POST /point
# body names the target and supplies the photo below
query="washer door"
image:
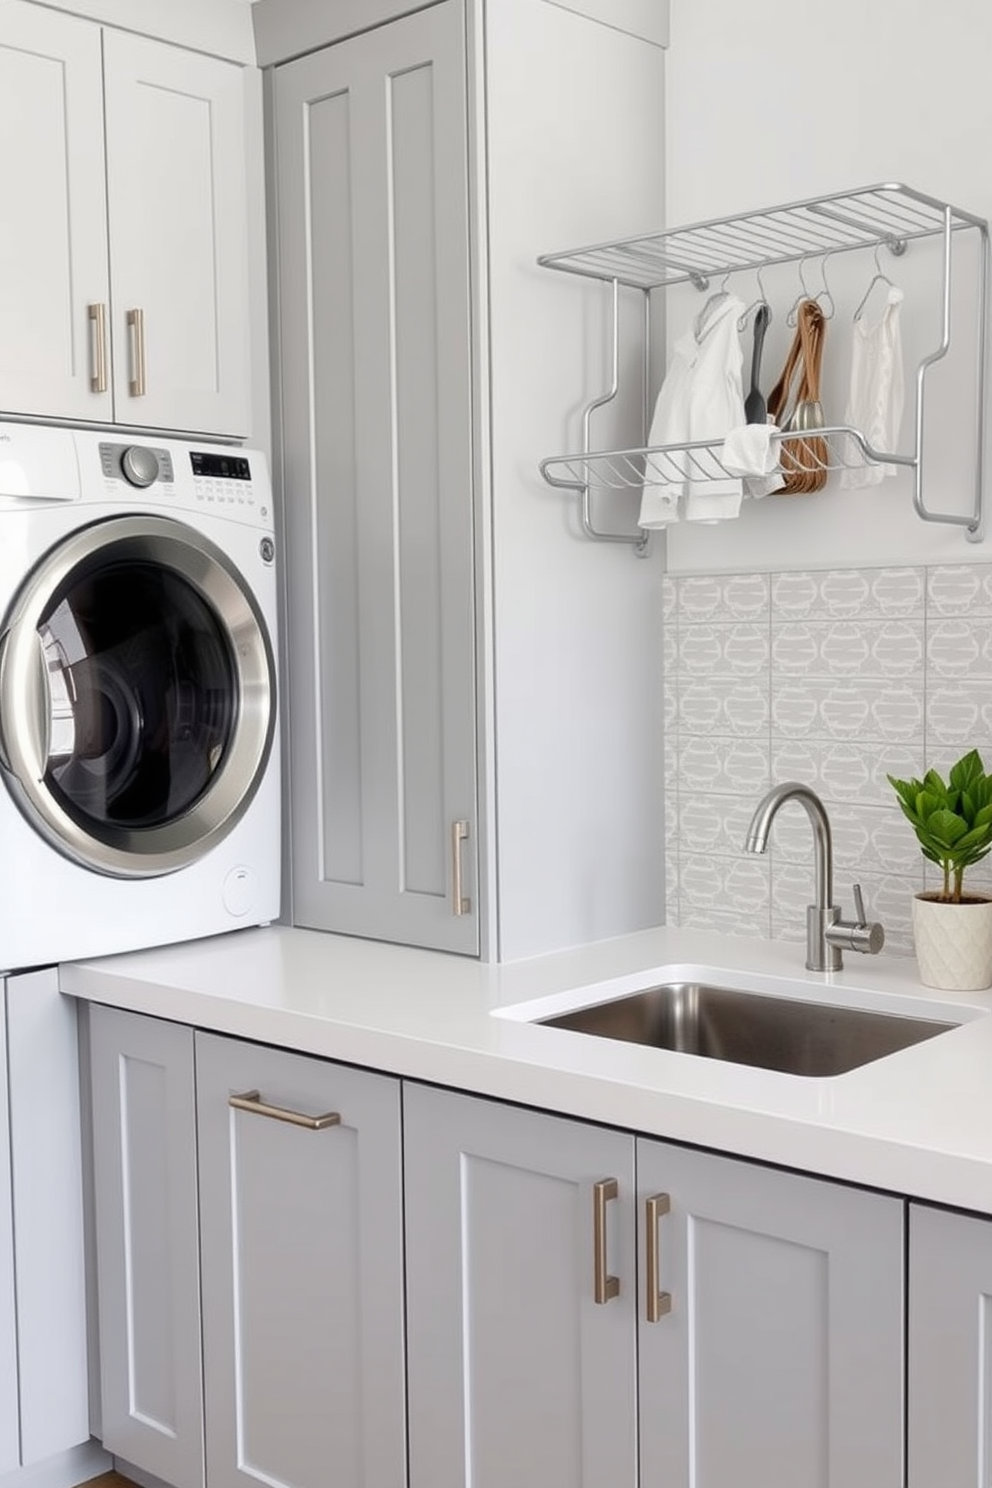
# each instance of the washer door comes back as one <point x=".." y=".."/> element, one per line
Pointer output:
<point x="137" y="696"/>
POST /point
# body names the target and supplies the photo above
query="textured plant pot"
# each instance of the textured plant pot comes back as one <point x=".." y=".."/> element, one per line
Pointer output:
<point x="954" y="943"/>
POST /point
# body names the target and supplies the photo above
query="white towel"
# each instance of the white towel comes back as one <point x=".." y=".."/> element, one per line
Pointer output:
<point x="752" y="452"/>
<point x="875" y="401"/>
<point x="700" y="399"/>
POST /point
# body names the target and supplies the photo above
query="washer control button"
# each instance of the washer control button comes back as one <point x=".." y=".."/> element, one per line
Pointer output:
<point x="139" y="466"/>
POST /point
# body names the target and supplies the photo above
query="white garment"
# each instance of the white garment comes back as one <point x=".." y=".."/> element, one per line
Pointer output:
<point x="700" y="399"/>
<point x="751" y="451"/>
<point x="875" y="401"/>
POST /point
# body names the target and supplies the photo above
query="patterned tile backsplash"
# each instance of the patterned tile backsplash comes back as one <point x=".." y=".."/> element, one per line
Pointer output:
<point x="835" y="679"/>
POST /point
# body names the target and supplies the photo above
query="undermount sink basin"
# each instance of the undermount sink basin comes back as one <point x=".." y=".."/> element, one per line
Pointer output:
<point x="794" y="1036"/>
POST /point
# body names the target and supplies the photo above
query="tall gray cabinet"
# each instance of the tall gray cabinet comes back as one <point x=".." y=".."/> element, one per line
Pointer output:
<point x="472" y="685"/>
<point x="371" y="142"/>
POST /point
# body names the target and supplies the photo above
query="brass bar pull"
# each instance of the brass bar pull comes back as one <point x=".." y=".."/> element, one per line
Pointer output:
<point x="136" y="323"/>
<point x="659" y="1302"/>
<point x="251" y="1101"/>
<point x="459" y="834"/>
<point x="604" y="1285"/>
<point x="98" y="315"/>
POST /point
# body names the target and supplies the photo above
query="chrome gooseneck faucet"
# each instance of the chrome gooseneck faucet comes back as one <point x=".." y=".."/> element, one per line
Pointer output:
<point x="826" y="933"/>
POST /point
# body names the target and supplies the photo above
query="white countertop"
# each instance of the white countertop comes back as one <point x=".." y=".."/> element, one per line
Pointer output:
<point x="918" y="1122"/>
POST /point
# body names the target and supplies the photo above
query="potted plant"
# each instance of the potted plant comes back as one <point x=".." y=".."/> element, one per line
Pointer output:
<point x="952" y="929"/>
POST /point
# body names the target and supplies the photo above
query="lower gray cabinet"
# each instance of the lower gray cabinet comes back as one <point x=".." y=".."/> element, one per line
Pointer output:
<point x="761" y="1346"/>
<point x="515" y="1222"/>
<point x="776" y="1356"/>
<point x="950" y="1349"/>
<point x="148" y="1273"/>
<point x="270" y="1184"/>
<point x="9" y="1444"/>
<point x="301" y="1236"/>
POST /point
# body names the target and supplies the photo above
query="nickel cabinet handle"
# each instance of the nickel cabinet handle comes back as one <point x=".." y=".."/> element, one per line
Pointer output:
<point x="605" y="1287"/>
<point x="136" y="323"/>
<point x="98" y="316"/>
<point x="459" y="834"/>
<point x="252" y="1102"/>
<point x="659" y="1302"/>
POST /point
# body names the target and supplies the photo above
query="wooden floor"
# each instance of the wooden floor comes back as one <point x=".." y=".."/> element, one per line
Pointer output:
<point x="108" y="1480"/>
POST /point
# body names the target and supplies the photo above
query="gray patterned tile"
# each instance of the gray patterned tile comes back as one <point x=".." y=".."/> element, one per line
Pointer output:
<point x="723" y="597"/>
<point x="846" y="770"/>
<point x="959" y="589"/>
<point x="714" y="824"/>
<point x="886" y="710"/>
<point x="740" y="708"/>
<point x="712" y="883"/>
<point x="958" y="715"/>
<point x="892" y="648"/>
<point x="855" y="593"/>
<point x="739" y="650"/>
<point x="724" y="763"/>
<point x="959" y="648"/>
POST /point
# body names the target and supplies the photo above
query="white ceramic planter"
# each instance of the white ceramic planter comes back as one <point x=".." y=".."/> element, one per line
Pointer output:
<point x="953" y="944"/>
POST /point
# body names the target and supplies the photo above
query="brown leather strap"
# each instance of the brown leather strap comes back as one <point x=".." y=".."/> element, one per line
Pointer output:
<point x="804" y="461"/>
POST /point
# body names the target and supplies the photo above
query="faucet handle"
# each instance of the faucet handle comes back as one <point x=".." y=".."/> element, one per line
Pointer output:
<point x="859" y="905"/>
<point x="861" y="934"/>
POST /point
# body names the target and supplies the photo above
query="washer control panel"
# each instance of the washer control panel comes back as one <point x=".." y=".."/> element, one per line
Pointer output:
<point x="222" y="479"/>
<point x="139" y="464"/>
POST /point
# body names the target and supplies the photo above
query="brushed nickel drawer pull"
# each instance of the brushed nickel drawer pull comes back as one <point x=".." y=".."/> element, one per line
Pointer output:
<point x="459" y="834"/>
<point x="252" y="1102"/>
<point x="98" y="315"/>
<point x="136" y="321"/>
<point x="659" y="1302"/>
<point x="605" y="1286"/>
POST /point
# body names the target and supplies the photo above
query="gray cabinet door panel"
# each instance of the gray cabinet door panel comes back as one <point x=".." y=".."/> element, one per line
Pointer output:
<point x="301" y="1243"/>
<point x="144" y="1172"/>
<point x="377" y="472"/>
<point x="9" y="1438"/>
<point x="950" y="1349"/>
<point x="516" y="1375"/>
<point x="780" y="1364"/>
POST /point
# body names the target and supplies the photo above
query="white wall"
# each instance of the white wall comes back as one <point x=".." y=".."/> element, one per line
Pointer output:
<point x="772" y="102"/>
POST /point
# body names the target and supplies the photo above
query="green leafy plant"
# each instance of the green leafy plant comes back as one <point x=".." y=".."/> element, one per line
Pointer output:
<point x="952" y="822"/>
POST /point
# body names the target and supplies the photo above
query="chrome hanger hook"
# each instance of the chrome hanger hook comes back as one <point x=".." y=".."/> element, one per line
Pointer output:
<point x="805" y="293"/>
<point x="824" y="295"/>
<point x="879" y="277"/>
<point x="756" y="304"/>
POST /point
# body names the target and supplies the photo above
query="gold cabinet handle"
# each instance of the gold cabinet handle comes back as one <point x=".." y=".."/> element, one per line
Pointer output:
<point x="659" y="1302"/>
<point x="251" y="1101"/>
<point x="136" y="324"/>
<point x="604" y="1286"/>
<point x="98" y="315"/>
<point x="459" y="834"/>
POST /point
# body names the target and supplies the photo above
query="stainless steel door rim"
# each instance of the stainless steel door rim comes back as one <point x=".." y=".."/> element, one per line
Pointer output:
<point x="36" y="718"/>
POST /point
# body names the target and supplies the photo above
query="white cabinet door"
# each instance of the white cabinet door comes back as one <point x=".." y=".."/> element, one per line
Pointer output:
<point x="302" y="1257"/>
<point x="47" y="1187"/>
<point x="144" y="1171"/>
<point x="176" y="179"/>
<point x="780" y="1363"/>
<point x="376" y="408"/>
<point x="950" y="1349"/>
<point x="9" y="1435"/>
<point x="53" y="226"/>
<point x="517" y="1375"/>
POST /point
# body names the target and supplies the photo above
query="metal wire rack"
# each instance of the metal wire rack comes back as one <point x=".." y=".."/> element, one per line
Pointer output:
<point x="889" y="214"/>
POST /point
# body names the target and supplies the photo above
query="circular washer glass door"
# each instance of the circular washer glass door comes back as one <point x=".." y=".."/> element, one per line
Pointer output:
<point x="137" y="696"/>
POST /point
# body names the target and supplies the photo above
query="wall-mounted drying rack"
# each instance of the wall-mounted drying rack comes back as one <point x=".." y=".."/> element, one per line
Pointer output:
<point x="890" y="215"/>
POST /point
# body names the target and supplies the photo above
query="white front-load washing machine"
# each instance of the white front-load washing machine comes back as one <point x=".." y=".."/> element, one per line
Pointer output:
<point x="139" y="752"/>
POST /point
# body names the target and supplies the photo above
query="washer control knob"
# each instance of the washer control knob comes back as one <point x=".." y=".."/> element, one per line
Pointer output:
<point x="139" y="466"/>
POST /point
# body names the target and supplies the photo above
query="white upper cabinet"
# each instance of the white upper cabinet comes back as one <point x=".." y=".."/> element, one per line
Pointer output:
<point x="53" y="228"/>
<point x="178" y="223"/>
<point x="123" y="252"/>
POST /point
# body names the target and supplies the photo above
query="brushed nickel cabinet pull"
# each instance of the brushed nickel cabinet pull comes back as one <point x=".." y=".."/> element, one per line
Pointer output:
<point x="252" y="1102"/>
<point x="136" y="323"/>
<point x="459" y="834"/>
<point x="659" y="1302"/>
<point x="604" y="1286"/>
<point x="98" y="315"/>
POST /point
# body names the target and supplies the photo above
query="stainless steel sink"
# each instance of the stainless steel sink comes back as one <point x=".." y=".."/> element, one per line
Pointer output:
<point x="775" y="1033"/>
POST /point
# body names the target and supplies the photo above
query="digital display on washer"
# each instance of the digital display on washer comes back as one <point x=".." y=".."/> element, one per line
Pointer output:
<point x="220" y="467"/>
